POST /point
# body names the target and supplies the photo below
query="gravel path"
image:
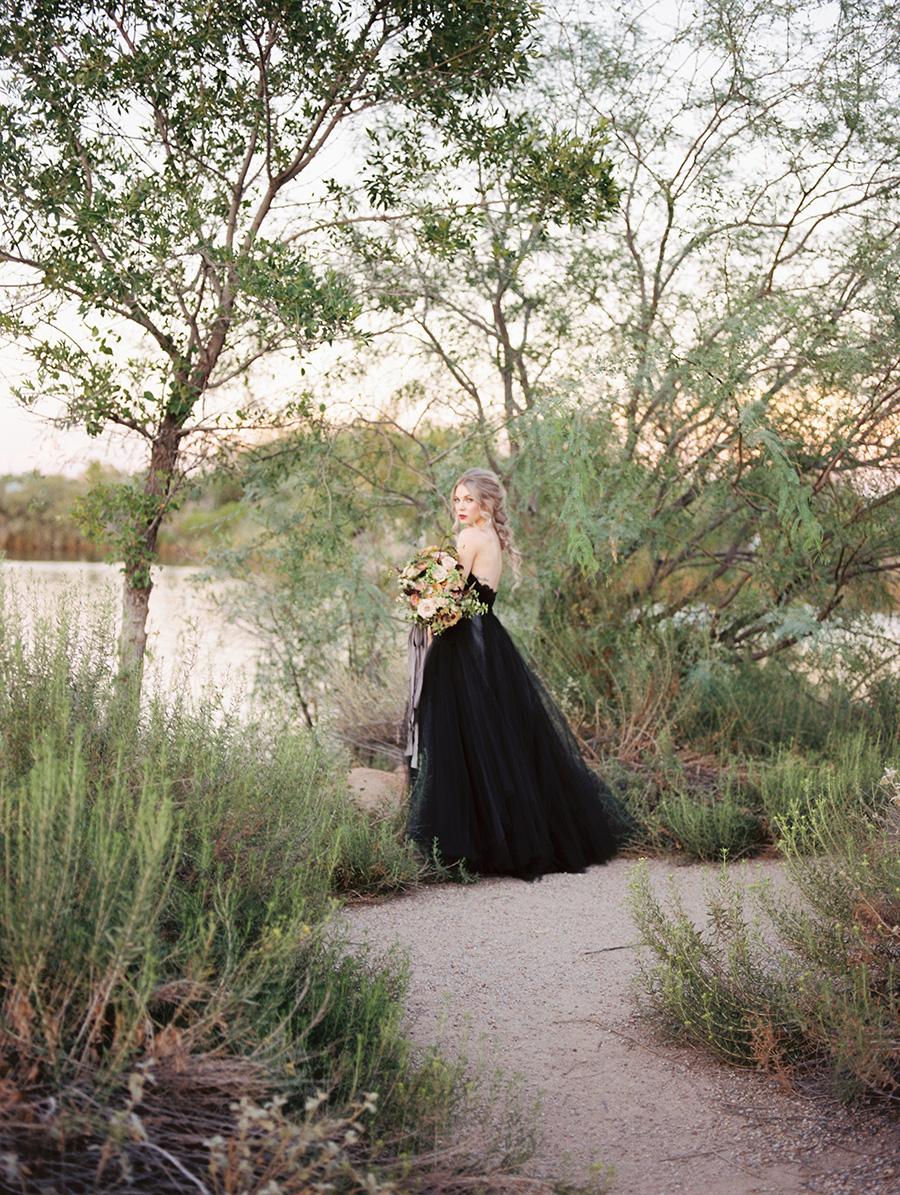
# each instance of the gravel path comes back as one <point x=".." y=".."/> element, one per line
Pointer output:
<point x="539" y="975"/>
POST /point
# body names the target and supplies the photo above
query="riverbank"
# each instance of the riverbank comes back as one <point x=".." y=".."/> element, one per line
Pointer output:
<point x="191" y="641"/>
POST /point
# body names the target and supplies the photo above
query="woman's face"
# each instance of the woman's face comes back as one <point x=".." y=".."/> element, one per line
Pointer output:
<point x="465" y="506"/>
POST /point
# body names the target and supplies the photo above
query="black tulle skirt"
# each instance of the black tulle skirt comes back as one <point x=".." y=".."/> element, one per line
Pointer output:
<point x="500" y="784"/>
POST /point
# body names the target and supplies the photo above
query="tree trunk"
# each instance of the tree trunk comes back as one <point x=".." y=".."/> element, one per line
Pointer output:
<point x="144" y="533"/>
<point x="133" y="635"/>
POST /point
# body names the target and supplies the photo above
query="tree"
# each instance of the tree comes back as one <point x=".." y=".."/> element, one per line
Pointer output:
<point x="309" y="568"/>
<point x="747" y="312"/>
<point x="153" y="160"/>
<point x="707" y="385"/>
<point x="493" y="309"/>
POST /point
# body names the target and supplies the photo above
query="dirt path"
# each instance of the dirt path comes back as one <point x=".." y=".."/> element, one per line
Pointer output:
<point x="540" y="975"/>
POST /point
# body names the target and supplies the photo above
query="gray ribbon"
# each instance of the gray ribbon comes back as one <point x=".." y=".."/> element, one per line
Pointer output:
<point x="416" y="652"/>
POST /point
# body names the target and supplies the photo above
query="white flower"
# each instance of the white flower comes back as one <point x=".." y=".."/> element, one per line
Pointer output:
<point x="427" y="608"/>
<point x="439" y="573"/>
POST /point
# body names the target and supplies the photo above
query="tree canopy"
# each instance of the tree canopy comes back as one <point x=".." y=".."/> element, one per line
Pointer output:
<point x="155" y="200"/>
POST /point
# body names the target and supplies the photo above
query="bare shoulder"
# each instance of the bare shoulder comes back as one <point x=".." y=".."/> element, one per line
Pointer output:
<point x="470" y="536"/>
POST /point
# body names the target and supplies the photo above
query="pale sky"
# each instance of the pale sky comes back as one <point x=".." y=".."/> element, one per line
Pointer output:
<point x="29" y="442"/>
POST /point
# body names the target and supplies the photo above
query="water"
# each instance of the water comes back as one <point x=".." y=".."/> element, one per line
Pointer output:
<point x="189" y="635"/>
<point x="190" y="640"/>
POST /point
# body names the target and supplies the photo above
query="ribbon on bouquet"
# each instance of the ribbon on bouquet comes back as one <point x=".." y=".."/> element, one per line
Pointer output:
<point x="416" y="651"/>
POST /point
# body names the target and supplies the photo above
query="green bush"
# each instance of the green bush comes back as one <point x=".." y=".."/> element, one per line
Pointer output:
<point x="171" y="974"/>
<point x="751" y="707"/>
<point x="703" y="804"/>
<point x="707" y="826"/>
<point x="812" y="981"/>
<point x="713" y="986"/>
<point x="262" y="799"/>
<point x="627" y="688"/>
<point x="847" y="773"/>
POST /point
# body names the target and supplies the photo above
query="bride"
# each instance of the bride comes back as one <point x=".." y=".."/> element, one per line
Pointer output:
<point x="499" y="783"/>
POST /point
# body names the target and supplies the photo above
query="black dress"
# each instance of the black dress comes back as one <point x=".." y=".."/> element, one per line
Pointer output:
<point x="500" y="783"/>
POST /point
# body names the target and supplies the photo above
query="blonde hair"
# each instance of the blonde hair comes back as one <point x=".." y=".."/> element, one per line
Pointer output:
<point x="491" y="496"/>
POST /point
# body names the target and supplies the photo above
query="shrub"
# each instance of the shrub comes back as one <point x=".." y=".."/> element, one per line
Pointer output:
<point x="816" y="984"/>
<point x="716" y="986"/>
<point x="629" y="689"/>
<point x="366" y="714"/>
<point x="707" y="826"/>
<point x="177" y="1001"/>
<point x="847" y="774"/>
<point x="752" y="707"/>
<point x="703" y="804"/>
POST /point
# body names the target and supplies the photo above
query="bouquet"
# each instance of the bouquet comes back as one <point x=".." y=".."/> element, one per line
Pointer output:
<point x="433" y="592"/>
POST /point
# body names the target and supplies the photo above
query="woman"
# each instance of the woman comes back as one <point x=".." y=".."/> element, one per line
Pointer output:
<point x="500" y="783"/>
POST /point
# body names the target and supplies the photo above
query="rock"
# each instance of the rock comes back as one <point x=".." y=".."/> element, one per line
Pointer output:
<point x="376" y="791"/>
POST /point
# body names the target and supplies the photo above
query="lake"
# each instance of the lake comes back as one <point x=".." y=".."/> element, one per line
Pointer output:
<point x="188" y="633"/>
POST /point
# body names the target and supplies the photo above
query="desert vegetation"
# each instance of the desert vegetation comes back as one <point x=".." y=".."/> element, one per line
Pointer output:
<point x="646" y="272"/>
<point x="806" y="983"/>
<point x="178" y="1004"/>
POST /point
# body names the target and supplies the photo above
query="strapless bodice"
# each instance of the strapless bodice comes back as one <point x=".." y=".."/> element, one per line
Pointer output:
<point x="484" y="591"/>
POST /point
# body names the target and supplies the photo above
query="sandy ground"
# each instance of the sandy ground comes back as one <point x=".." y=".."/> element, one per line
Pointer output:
<point x="538" y="978"/>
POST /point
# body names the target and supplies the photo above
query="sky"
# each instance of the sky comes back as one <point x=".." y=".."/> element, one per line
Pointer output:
<point x="29" y="442"/>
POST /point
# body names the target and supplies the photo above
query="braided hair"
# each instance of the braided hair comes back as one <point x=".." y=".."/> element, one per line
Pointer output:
<point x="491" y="496"/>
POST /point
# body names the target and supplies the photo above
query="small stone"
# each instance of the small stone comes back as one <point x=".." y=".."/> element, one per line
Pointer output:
<point x="375" y="791"/>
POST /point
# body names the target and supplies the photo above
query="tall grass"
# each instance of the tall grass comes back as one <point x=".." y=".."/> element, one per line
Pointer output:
<point x="706" y="826"/>
<point x="178" y="1007"/>
<point x="846" y="775"/>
